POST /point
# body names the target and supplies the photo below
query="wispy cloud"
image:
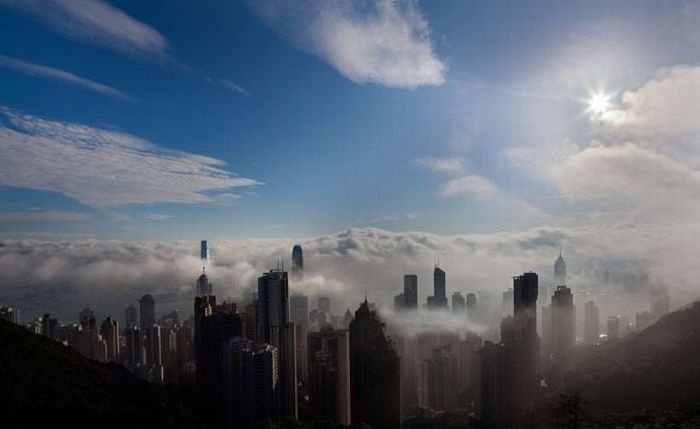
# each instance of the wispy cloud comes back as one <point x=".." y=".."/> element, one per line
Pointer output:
<point x="383" y="42"/>
<point x="158" y="217"/>
<point x="227" y="84"/>
<point x="471" y="184"/>
<point x="97" y="23"/>
<point x="42" y="216"/>
<point x="62" y="75"/>
<point x="105" y="168"/>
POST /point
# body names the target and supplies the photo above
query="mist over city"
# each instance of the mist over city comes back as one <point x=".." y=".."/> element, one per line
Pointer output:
<point x="349" y="214"/>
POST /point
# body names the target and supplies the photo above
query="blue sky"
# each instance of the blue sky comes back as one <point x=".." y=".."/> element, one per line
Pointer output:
<point x="213" y="119"/>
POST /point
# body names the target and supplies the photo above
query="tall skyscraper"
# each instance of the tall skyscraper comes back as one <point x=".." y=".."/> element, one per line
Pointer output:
<point x="439" y="298"/>
<point x="329" y="375"/>
<point x="563" y="325"/>
<point x="591" y="323"/>
<point x="110" y="334"/>
<point x="133" y="346"/>
<point x="204" y="252"/>
<point x="297" y="263"/>
<point x="410" y="291"/>
<point x="459" y="305"/>
<point x="472" y="307"/>
<point x="526" y="345"/>
<point x="374" y="372"/>
<point x="147" y="312"/>
<point x="559" y="271"/>
<point x="87" y="318"/>
<point x="131" y="317"/>
<point x="324" y="304"/>
<point x="299" y="315"/>
<point x="507" y="303"/>
<point x="275" y="328"/>
<point x="204" y="288"/>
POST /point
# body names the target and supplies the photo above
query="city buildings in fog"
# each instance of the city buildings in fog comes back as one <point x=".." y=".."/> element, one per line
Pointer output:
<point x="297" y="263"/>
<point x="329" y="375"/>
<point x="591" y="323"/>
<point x="439" y="298"/>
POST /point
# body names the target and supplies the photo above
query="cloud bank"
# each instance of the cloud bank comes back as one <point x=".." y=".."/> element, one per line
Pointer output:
<point x="616" y="264"/>
<point x="104" y="168"/>
<point x="382" y="42"/>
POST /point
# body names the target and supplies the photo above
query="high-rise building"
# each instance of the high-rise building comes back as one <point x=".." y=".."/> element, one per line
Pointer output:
<point x="439" y="298"/>
<point x="299" y="315"/>
<point x="147" y="312"/>
<point x="275" y="328"/>
<point x="374" y="372"/>
<point x="410" y="291"/>
<point x="526" y="345"/>
<point x="591" y="323"/>
<point x="10" y="314"/>
<point x="204" y="288"/>
<point x="297" y="263"/>
<point x="614" y="327"/>
<point x="204" y="252"/>
<point x="153" y="343"/>
<point x="48" y="326"/>
<point x="324" y="304"/>
<point x="109" y="330"/>
<point x="563" y="325"/>
<point x="472" y="307"/>
<point x="459" y="304"/>
<point x="87" y="318"/>
<point x="399" y="302"/>
<point x="133" y="346"/>
<point x="329" y="375"/>
<point x="131" y="317"/>
<point x="507" y="303"/>
<point x="559" y="271"/>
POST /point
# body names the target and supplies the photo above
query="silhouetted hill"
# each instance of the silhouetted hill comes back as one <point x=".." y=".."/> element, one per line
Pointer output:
<point x="45" y="384"/>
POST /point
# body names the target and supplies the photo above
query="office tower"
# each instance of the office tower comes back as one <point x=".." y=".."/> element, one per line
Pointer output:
<point x="109" y="330"/>
<point x="546" y="342"/>
<point x="266" y="381"/>
<point x="250" y="321"/>
<point x="153" y="343"/>
<point x="324" y="304"/>
<point x="563" y="325"/>
<point x="147" y="312"/>
<point x="329" y="375"/>
<point x="445" y="378"/>
<point x="410" y="291"/>
<point x="133" y="346"/>
<point x="374" y="372"/>
<point x="399" y="302"/>
<point x="10" y="314"/>
<point x="87" y="318"/>
<point x="170" y="319"/>
<point x="459" y="305"/>
<point x="439" y="298"/>
<point x="297" y="263"/>
<point x="347" y="319"/>
<point x="507" y="303"/>
<point x="614" y="327"/>
<point x="559" y="271"/>
<point x="525" y="345"/>
<point x="238" y="394"/>
<point x="468" y="370"/>
<point x="591" y="323"/>
<point x="472" y="308"/>
<point x="204" y="252"/>
<point x="299" y="315"/>
<point x="204" y="288"/>
<point x="275" y="328"/>
<point x="486" y="302"/>
<point x="426" y="387"/>
<point x="48" y="326"/>
<point x="660" y="301"/>
<point x="131" y="317"/>
<point x="493" y="401"/>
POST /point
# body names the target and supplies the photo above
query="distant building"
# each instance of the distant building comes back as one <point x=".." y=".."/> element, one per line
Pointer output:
<point x="472" y="308"/>
<point x="459" y="304"/>
<point x="329" y="375"/>
<point x="324" y="304"/>
<point x="591" y="323"/>
<point x="559" y="271"/>
<point x="204" y="252"/>
<point x="563" y="325"/>
<point x="410" y="291"/>
<point x="439" y="297"/>
<point x="507" y="303"/>
<point x="10" y="314"/>
<point x="299" y="316"/>
<point x="147" y="312"/>
<point x="374" y="372"/>
<point x="87" y="318"/>
<point x="297" y="263"/>
<point x="131" y="317"/>
<point x="48" y="326"/>
<point x="204" y="288"/>
<point x="526" y="347"/>
<point x="109" y="330"/>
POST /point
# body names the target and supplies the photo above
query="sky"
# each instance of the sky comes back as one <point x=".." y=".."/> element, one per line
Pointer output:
<point x="257" y="124"/>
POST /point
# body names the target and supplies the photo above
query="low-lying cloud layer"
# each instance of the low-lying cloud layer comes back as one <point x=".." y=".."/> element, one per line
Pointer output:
<point x="624" y="260"/>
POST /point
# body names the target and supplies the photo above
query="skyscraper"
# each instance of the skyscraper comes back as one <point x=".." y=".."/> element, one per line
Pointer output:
<point x="275" y="328"/>
<point x="204" y="252"/>
<point x="324" y="304"/>
<point x="374" y="372"/>
<point x="472" y="307"/>
<point x="204" y="288"/>
<point x="507" y="303"/>
<point x="147" y="312"/>
<point x="559" y="271"/>
<point x="110" y="334"/>
<point x="299" y="315"/>
<point x="131" y="317"/>
<point x="526" y="346"/>
<point x="563" y="325"/>
<point x="297" y="263"/>
<point x="439" y="288"/>
<point x="591" y="323"/>
<point x="410" y="291"/>
<point x="329" y="375"/>
<point x="459" y="305"/>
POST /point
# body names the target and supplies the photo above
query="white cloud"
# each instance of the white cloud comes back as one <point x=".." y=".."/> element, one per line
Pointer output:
<point x="43" y="216"/>
<point x="96" y="22"/>
<point x="472" y="185"/>
<point x="62" y="75"/>
<point x="158" y="217"/>
<point x="105" y="168"/>
<point x="667" y="105"/>
<point x="383" y="42"/>
<point x="444" y="165"/>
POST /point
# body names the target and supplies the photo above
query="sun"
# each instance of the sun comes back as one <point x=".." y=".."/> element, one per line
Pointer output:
<point x="599" y="104"/>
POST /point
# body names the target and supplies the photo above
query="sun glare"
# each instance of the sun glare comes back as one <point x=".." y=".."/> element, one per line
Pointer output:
<point x="599" y="103"/>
